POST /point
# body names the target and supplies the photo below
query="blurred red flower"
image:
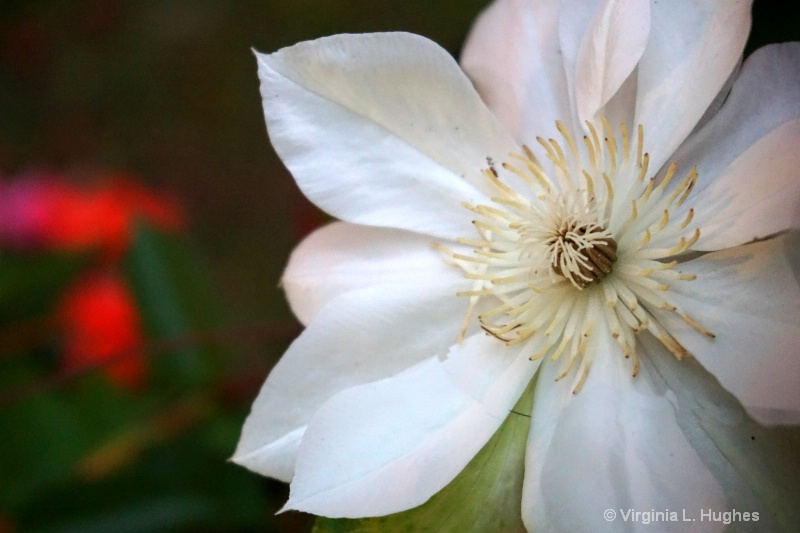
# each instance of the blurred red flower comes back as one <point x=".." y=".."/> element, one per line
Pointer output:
<point x="45" y="211"/>
<point x="99" y="322"/>
<point x="97" y="315"/>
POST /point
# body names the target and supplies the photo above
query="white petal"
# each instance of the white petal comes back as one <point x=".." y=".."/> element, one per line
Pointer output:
<point x="757" y="196"/>
<point x="615" y="445"/>
<point x="360" y="336"/>
<point x="692" y="50"/>
<point x="512" y="56"/>
<point x="765" y="95"/>
<point x="388" y="446"/>
<point x="621" y="107"/>
<point x="381" y="129"/>
<point x="602" y="56"/>
<point x="756" y="466"/>
<point x="485" y="369"/>
<point x="749" y="297"/>
<point x="720" y="99"/>
<point x="341" y="257"/>
<point x="747" y="156"/>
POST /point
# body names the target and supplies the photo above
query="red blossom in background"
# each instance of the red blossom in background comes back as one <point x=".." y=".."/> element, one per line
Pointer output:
<point x="105" y="217"/>
<point x="97" y="315"/>
<point x="45" y="211"/>
<point x="99" y="321"/>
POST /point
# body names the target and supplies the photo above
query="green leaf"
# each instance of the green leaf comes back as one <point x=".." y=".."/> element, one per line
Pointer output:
<point x="758" y="467"/>
<point x="175" y="302"/>
<point x="485" y="497"/>
<point x="41" y="442"/>
<point x="46" y="435"/>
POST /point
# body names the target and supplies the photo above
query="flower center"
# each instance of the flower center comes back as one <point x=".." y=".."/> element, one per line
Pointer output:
<point x="585" y="248"/>
<point x="582" y="253"/>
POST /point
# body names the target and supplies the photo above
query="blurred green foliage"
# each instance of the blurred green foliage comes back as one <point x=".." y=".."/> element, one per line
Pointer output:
<point x="81" y="454"/>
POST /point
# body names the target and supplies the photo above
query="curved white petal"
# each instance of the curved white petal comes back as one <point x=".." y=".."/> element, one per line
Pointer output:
<point x="720" y="99"/>
<point x="341" y="257"/>
<point x="360" y="336"/>
<point x="388" y="446"/>
<point x="621" y="108"/>
<point x="749" y="298"/>
<point x="747" y="155"/>
<point x="381" y="129"/>
<point x="757" y="196"/>
<point x="756" y="466"/>
<point x="693" y="48"/>
<point x="600" y="57"/>
<point x="615" y="445"/>
<point x="512" y="56"/>
<point x="765" y="95"/>
<point x="483" y="368"/>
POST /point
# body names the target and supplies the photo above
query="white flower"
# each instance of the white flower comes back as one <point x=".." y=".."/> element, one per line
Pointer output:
<point x="564" y="242"/>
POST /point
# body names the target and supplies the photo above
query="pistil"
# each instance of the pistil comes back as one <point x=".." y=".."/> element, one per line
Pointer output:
<point x="583" y="254"/>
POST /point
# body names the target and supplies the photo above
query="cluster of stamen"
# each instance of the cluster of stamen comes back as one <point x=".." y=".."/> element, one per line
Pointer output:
<point x="593" y="248"/>
<point x="582" y="253"/>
